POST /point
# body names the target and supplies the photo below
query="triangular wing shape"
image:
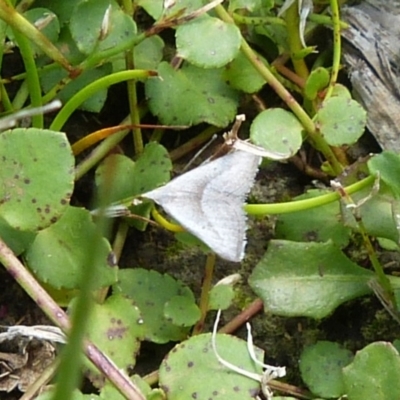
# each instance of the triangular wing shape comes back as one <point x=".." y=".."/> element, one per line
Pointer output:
<point x="208" y="201"/>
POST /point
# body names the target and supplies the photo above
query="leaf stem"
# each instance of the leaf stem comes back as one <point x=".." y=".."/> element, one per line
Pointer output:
<point x="205" y="292"/>
<point x="75" y="101"/>
<point x="32" y="76"/>
<point x="301" y="205"/>
<point x="337" y="48"/>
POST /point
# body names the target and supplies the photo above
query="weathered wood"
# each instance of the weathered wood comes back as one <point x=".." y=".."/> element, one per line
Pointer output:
<point x="372" y="56"/>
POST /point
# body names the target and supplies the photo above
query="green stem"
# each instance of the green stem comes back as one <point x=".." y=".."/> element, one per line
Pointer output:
<point x="134" y="107"/>
<point x="205" y="292"/>
<point x="301" y="205"/>
<point x="293" y="22"/>
<point x="337" y="49"/>
<point x="244" y="20"/>
<point x="75" y="101"/>
<point x="32" y="76"/>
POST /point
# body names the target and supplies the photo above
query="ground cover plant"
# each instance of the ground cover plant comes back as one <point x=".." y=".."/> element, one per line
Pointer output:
<point x="76" y="204"/>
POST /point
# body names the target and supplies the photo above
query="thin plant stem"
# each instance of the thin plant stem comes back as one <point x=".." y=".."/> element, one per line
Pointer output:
<point x="301" y="205"/>
<point x="337" y="48"/>
<point x="75" y="101"/>
<point x="32" y="76"/>
<point x="382" y="278"/>
<point x="132" y="93"/>
<point x="205" y="292"/>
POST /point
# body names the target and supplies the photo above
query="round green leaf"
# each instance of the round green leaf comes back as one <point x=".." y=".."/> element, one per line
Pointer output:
<point x="277" y="130"/>
<point x="141" y="285"/>
<point x="221" y="297"/>
<point x="307" y="279"/>
<point x="169" y="94"/>
<point x="181" y="312"/>
<point x="116" y="328"/>
<point x="85" y="32"/>
<point x="192" y="371"/>
<point x="208" y="42"/>
<point x="341" y="121"/>
<point x="341" y="91"/>
<point x="99" y="32"/>
<point x="59" y="254"/>
<point x="37" y="175"/>
<point x="374" y="373"/>
<point x="321" y="368"/>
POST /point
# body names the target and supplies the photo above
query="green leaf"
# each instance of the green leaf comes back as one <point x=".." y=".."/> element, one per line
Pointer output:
<point x="59" y="255"/>
<point x="321" y="368"/>
<point x="341" y="121"/>
<point x="191" y="370"/>
<point x="277" y="130"/>
<point x="387" y="164"/>
<point x="149" y="53"/>
<point x="141" y="286"/>
<point x="341" y="91"/>
<point x="317" y="80"/>
<point x="317" y="224"/>
<point x="241" y="74"/>
<point x="181" y="312"/>
<point x="152" y="169"/>
<point x="16" y="239"/>
<point x="307" y="279"/>
<point x="374" y="373"/>
<point x="208" y="42"/>
<point x="37" y="175"/>
<point x="211" y="99"/>
<point x="63" y="9"/>
<point x="221" y="297"/>
<point x="89" y="33"/>
<point x="122" y="169"/>
<point x="376" y="215"/>
<point x="116" y="328"/>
